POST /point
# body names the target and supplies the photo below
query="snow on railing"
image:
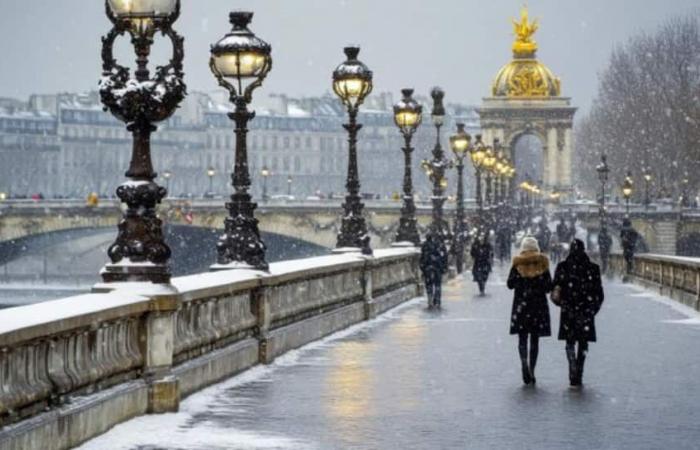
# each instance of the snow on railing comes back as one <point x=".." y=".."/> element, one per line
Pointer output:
<point x="173" y="344"/>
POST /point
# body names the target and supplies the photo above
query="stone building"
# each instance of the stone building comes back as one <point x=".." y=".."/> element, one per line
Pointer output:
<point x="66" y="146"/>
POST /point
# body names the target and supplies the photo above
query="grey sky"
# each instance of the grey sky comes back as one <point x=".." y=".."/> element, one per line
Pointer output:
<point x="52" y="46"/>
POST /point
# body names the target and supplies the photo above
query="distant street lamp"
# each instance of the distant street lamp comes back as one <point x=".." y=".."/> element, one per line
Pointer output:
<point x="265" y="173"/>
<point x="685" y="199"/>
<point x="647" y="182"/>
<point x="240" y="61"/>
<point x="603" y="171"/>
<point x="289" y="186"/>
<point x="408" y="115"/>
<point x="140" y="252"/>
<point x="437" y="167"/>
<point x="627" y="190"/>
<point x="211" y="173"/>
<point x="477" y="154"/>
<point x="489" y="163"/>
<point x="167" y="175"/>
<point x="460" y="144"/>
<point x="352" y="82"/>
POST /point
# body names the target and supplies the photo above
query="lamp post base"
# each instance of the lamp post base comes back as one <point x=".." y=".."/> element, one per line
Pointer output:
<point x="128" y="271"/>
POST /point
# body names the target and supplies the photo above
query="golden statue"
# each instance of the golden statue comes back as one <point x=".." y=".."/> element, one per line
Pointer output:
<point x="524" y="45"/>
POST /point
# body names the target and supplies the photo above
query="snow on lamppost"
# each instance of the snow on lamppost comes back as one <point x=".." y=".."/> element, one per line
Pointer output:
<point x="240" y="61"/>
<point x="603" y="171"/>
<point x="408" y="115"/>
<point x="436" y="168"/>
<point x="140" y="252"/>
<point x="460" y="144"/>
<point x="352" y="82"/>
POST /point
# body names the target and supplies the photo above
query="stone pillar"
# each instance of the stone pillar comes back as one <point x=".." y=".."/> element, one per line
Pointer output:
<point x="552" y="164"/>
<point x="158" y="341"/>
<point x="567" y="149"/>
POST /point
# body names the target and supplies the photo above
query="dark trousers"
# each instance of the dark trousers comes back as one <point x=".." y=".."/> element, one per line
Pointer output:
<point x="576" y="359"/>
<point x="433" y="288"/>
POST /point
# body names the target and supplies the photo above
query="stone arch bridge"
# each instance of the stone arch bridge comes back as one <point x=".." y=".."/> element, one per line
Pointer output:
<point x="319" y="222"/>
<point x="314" y="222"/>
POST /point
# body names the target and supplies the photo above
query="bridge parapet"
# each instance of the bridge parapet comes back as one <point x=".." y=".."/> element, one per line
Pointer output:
<point x="673" y="276"/>
<point x="72" y="368"/>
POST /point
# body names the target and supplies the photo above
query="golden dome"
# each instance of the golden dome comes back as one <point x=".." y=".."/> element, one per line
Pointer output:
<point x="524" y="76"/>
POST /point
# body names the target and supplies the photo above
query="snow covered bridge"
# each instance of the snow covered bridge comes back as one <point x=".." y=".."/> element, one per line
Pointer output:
<point x="411" y="378"/>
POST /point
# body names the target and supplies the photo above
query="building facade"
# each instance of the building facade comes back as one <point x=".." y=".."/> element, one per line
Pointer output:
<point x="66" y="146"/>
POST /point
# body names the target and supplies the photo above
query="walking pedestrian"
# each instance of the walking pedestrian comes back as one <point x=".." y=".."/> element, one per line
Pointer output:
<point x="433" y="265"/>
<point x="604" y="245"/>
<point x="531" y="280"/>
<point x="482" y="256"/>
<point x="578" y="291"/>
<point x="628" y="238"/>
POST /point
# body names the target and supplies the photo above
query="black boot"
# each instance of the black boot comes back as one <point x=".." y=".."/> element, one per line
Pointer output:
<point x="527" y="378"/>
<point x="579" y="368"/>
<point x="573" y="366"/>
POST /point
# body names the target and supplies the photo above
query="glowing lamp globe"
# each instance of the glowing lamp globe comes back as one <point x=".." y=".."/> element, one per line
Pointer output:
<point x="240" y="55"/>
<point x="408" y="114"/>
<point x="352" y="80"/>
<point x="460" y="142"/>
<point x="131" y="9"/>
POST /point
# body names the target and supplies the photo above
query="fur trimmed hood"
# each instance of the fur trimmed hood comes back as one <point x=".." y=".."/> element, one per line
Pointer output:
<point x="531" y="264"/>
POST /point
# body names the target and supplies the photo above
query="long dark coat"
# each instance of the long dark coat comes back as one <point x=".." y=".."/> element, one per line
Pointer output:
<point x="530" y="279"/>
<point x="581" y="297"/>
<point x="433" y="259"/>
<point x="482" y="255"/>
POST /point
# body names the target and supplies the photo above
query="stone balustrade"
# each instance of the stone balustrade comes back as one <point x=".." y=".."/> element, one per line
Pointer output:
<point x="673" y="276"/>
<point x="72" y="368"/>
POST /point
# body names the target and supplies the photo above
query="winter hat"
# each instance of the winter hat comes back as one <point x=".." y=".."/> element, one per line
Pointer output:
<point x="529" y="244"/>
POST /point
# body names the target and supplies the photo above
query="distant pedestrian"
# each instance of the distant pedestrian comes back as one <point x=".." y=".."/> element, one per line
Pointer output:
<point x="628" y="239"/>
<point x="578" y="291"/>
<point x="433" y="265"/>
<point x="544" y="235"/>
<point x="482" y="257"/>
<point x="604" y="246"/>
<point x="531" y="280"/>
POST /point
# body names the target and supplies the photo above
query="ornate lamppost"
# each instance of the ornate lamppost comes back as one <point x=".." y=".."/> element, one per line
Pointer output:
<point x="477" y="154"/>
<point x="627" y="189"/>
<point x="437" y="167"/>
<point x="408" y="115"/>
<point x="460" y="144"/>
<point x="489" y="163"/>
<point x="240" y="61"/>
<point x="211" y="172"/>
<point x="140" y="252"/>
<point x="352" y="83"/>
<point x="603" y="171"/>
<point x="604" y="239"/>
<point x="265" y="174"/>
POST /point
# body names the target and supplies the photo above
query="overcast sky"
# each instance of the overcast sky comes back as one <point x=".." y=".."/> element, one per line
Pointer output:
<point x="51" y="46"/>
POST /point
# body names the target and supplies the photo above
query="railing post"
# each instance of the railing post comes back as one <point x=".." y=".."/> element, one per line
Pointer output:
<point x="260" y="304"/>
<point x="366" y="280"/>
<point x="697" y="289"/>
<point x="159" y="343"/>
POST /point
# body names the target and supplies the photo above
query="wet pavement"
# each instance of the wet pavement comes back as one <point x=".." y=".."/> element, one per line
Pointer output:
<point x="417" y="379"/>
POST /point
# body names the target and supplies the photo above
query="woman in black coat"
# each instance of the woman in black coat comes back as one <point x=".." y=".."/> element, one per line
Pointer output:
<point x="579" y="293"/>
<point x="530" y="279"/>
<point x="482" y="255"/>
